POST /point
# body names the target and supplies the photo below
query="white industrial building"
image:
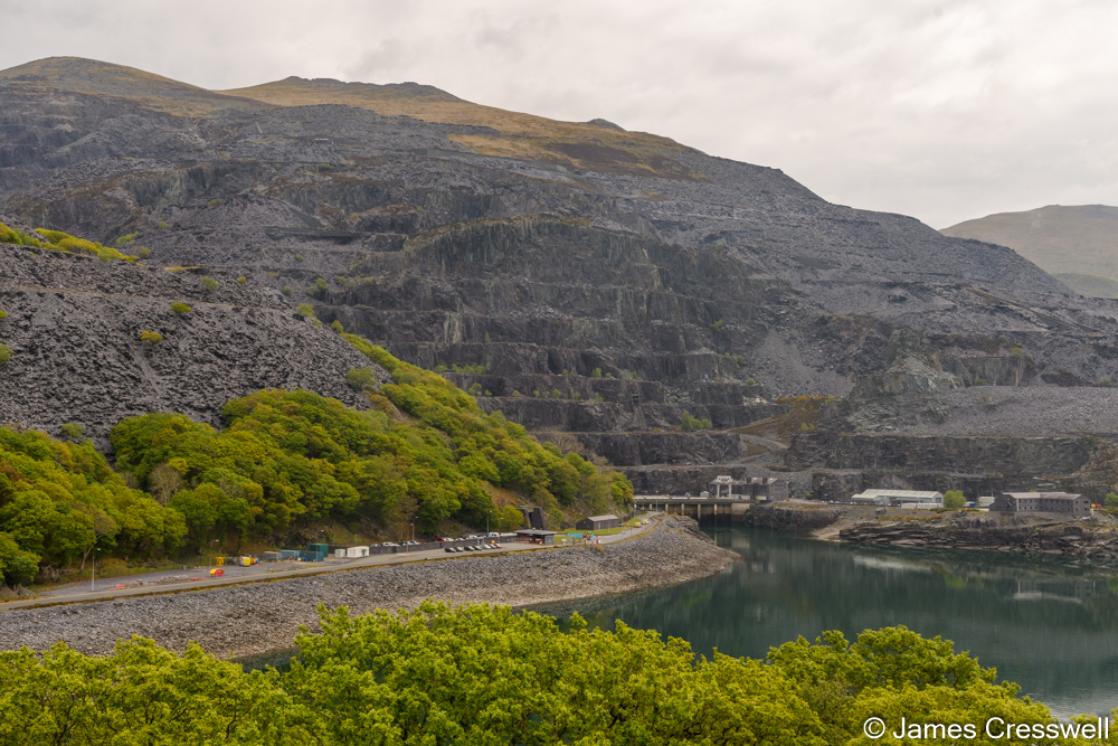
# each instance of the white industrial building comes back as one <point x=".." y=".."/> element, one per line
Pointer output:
<point x="352" y="552"/>
<point x="899" y="498"/>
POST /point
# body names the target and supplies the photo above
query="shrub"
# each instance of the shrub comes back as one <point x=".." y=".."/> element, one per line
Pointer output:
<point x="318" y="288"/>
<point x="954" y="500"/>
<point x="61" y="241"/>
<point x="150" y="336"/>
<point x="181" y="308"/>
<point x="18" y="237"/>
<point x="306" y="311"/>
<point x="690" y="423"/>
<point x="337" y="326"/>
<point x="5" y="353"/>
<point x="3" y="314"/>
<point x="143" y="252"/>
<point x="718" y="325"/>
<point x="72" y="431"/>
<point x="208" y="284"/>
<point x="361" y="379"/>
<point x="476" y="369"/>
<point x="123" y="242"/>
<point x="242" y="280"/>
<point x="1110" y="501"/>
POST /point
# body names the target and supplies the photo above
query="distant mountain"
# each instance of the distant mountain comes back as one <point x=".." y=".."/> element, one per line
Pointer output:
<point x="1078" y="244"/>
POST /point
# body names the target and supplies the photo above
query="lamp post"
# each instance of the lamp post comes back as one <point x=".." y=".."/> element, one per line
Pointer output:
<point x="93" y="570"/>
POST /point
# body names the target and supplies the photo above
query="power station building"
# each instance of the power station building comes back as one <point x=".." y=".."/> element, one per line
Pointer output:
<point x="1067" y="503"/>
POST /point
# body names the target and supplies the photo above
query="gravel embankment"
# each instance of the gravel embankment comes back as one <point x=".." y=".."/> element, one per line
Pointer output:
<point x="255" y="619"/>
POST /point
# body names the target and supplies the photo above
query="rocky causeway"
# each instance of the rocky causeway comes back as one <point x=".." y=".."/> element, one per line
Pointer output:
<point x="255" y="619"/>
<point x="1090" y="542"/>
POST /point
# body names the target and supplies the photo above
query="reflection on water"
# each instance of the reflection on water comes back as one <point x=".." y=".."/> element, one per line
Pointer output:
<point x="1052" y="629"/>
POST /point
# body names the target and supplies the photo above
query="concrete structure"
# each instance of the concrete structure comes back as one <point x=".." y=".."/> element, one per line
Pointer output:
<point x="755" y="489"/>
<point x="699" y="507"/>
<point x="356" y="552"/>
<point x="899" y="498"/>
<point x="533" y="516"/>
<point x="1066" y="503"/>
<point x="599" y="522"/>
<point x="536" y="535"/>
<point x="984" y="501"/>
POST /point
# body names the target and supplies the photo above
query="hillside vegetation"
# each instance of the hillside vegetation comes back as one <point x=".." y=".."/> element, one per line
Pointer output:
<point x="284" y="461"/>
<point x="59" y="500"/>
<point x="45" y="238"/>
<point x="488" y="675"/>
<point x="499" y="132"/>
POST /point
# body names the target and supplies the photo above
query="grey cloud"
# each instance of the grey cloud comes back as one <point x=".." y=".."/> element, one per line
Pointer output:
<point x="943" y="109"/>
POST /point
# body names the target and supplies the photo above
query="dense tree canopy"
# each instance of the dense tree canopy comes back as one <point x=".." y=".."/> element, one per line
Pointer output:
<point x="495" y="449"/>
<point x="60" y="500"/>
<point x="489" y="675"/>
<point x="284" y="461"/>
<point x="286" y="458"/>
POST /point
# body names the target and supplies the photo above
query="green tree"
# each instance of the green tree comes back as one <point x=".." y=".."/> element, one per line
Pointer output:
<point x="954" y="500"/>
<point x="58" y="499"/>
<point x="491" y="675"/>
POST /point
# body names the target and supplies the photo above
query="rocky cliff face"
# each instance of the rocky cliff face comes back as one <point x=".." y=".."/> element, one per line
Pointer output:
<point x="74" y="326"/>
<point x="600" y="286"/>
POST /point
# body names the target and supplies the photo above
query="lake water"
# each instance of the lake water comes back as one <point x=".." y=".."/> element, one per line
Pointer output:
<point x="1051" y="628"/>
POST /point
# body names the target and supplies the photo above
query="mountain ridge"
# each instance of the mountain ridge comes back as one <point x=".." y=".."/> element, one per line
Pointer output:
<point x="1066" y="240"/>
<point x="602" y="287"/>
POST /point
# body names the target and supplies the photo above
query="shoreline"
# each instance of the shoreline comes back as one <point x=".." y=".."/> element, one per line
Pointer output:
<point x="1081" y="543"/>
<point x="250" y="620"/>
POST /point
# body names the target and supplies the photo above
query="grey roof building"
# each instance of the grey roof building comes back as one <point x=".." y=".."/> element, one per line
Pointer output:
<point x="599" y="522"/>
<point x="1068" y="503"/>
<point x="898" y="497"/>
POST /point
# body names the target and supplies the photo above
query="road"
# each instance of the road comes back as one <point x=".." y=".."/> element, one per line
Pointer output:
<point x="198" y="578"/>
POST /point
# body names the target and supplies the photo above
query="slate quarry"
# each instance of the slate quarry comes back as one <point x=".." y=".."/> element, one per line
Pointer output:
<point x="602" y="287"/>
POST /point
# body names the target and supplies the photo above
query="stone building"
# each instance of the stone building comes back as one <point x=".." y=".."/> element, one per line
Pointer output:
<point x="1067" y="503"/>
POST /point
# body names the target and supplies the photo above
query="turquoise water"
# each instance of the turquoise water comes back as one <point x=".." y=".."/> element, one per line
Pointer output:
<point x="1051" y="628"/>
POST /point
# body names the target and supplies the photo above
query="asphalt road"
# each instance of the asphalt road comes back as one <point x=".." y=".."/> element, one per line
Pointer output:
<point x="198" y="578"/>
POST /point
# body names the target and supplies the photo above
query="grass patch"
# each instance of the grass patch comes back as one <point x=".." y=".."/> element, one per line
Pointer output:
<point x="52" y="240"/>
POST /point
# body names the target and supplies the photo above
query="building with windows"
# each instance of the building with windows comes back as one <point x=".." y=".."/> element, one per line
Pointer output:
<point x="1067" y="503"/>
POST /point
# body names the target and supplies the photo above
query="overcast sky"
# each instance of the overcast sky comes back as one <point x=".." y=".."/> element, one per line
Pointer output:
<point x="945" y="110"/>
